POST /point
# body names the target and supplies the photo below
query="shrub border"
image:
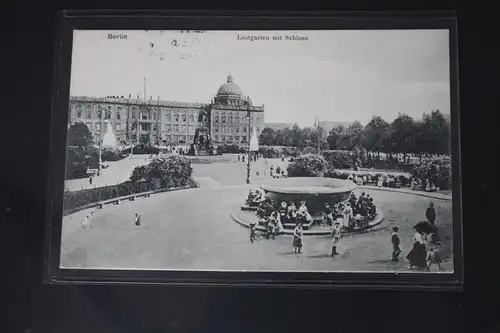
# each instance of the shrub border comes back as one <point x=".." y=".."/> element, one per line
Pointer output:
<point x="130" y="197"/>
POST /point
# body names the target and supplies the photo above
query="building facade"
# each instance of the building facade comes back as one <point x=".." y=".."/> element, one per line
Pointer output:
<point x="170" y="123"/>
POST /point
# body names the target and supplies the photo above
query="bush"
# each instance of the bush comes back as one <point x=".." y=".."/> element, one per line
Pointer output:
<point x="111" y="155"/>
<point x="167" y="170"/>
<point x="307" y="165"/>
<point x="230" y="149"/>
<point x="437" y="170"/>
<point x="142" y="149"/>
<point x="339" y="160"/>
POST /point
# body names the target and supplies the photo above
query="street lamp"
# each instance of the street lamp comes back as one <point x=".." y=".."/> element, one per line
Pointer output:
<point x="248" y="157"/>
<point x="319" y="135"/>
<point x="100" y="142"/>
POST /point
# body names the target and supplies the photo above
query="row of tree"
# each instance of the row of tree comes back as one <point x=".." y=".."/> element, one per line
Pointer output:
<point x="405" y="135"/>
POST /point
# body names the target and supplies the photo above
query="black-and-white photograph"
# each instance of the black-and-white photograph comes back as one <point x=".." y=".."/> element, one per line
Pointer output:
<point x="286" y="151"/>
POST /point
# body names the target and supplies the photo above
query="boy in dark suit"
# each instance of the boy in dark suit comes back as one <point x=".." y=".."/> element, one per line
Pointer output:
<point x="396" y="242"/>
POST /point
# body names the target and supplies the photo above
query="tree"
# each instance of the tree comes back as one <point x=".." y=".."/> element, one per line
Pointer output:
<point x="267" y="137"/>
<point x="144" y="139"/>
<point x="79" y="135"/>
<point x="376" y="135"/>
<point x="404" y="134"/>
<point x="354" y="135"/>
<point x="336" y="136"/>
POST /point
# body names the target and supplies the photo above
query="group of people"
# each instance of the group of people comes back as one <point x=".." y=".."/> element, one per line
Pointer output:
<point x="428" y="187"/>
<point x="353" y="213"/>
<point x="253" y="157"/>
<point x="86" y="221"/>
<point x="423" y="254"/>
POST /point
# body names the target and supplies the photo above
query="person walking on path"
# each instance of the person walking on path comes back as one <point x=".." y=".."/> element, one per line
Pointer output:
<point x="396" y="244"/>
<point x="86" y="221"/>
<point x="430" y="214"/>
<point x="90" y="180"/>
<point x="418" y="254"/>
<point x="335" y="239"/>
<point x="137" y="219"/>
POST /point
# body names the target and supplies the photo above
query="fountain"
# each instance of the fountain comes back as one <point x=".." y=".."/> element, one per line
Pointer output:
<point x="315" y="191"/>
<point x="109" y="138"/>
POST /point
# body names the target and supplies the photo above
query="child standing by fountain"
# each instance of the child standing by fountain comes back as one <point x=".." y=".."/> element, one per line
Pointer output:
<point x="297" y="238"/>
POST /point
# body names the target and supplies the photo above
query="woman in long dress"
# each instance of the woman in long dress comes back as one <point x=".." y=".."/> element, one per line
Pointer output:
<point x="297" y="238"/>
<point x="348" y="215"/>
<point x="418" y="254"/>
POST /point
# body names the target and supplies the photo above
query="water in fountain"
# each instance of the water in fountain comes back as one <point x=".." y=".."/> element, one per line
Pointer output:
<point x="109" y="138"/>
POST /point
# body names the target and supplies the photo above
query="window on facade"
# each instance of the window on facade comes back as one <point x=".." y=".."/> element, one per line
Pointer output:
<point x="223" y="129"/>
<point x="176" y="128"/>
<point x="144" y="127"/>
<point x="108" y="115"/>
<point x="168" y="115"/>
<point x="168" y="127"/>
<point x="230" y="129"/>
<point x="134" y="115"/>
<point x="223" y="137"/>
<point x="89" y="114"/>
<point x="244" y="129"/>
<point x="216" y="119"/>
<point x="134" y="126"/>
<point x="144" y="116"/>
<point x="155" y="116"/>
<point x="183" y="129"/>
<point x="176" y="117"/>
<point x="237" y="138"/>
<point x="243" y="139"/>
<point x="184" y="117"/>
<point x="155" y="127"/>
<point x="79" y="113"/>
<point x="216" y="129"/>
<point x="134" y="137"/>
<point x="237" y="120"/>
<point x="118" y="114"/>
<point x="237" y="128"/>
<point x="230" y="119"/>
<point x="191" y="118"/>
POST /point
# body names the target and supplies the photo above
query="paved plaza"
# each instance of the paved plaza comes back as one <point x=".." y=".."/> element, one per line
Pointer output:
<point x="192" y="229"/>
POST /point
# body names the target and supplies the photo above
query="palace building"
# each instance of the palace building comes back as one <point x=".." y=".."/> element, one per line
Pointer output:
<point x="166" y="122"/>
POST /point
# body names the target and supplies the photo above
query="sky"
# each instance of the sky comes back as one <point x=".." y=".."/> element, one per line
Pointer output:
<point x="336" y="75"/>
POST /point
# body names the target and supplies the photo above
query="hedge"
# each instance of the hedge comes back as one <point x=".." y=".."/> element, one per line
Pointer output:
<point x="77" y="199"/>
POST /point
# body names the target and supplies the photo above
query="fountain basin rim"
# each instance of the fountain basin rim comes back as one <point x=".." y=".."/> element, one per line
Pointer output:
<point x="314" y="189"/>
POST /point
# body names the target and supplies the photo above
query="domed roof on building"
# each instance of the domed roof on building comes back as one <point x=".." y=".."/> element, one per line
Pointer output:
<point x="229" y="88"/>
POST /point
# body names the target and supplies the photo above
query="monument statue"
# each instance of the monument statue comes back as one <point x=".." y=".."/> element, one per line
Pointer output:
<point x="202" y="143"/>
